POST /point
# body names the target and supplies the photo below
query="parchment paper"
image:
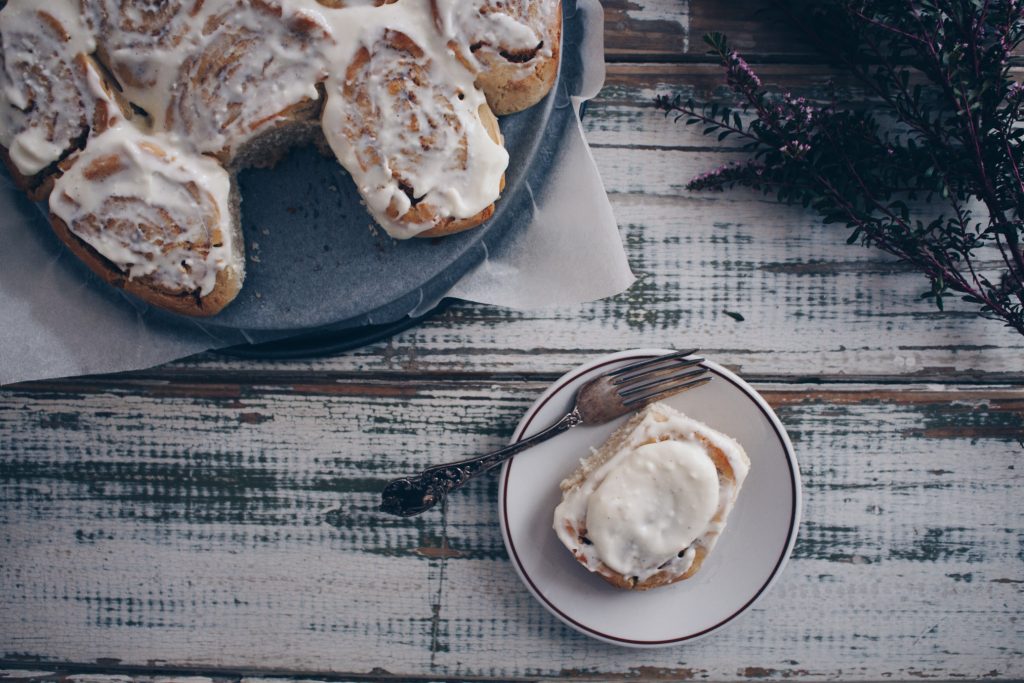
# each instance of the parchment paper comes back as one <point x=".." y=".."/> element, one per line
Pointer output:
<point x="57" y="323"/>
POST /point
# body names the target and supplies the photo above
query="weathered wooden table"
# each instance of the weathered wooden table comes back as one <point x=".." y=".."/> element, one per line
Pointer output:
<point x="217" y="517"/>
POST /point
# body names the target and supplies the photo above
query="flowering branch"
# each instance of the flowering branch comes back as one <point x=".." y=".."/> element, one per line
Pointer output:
<point x="957" y="143"/>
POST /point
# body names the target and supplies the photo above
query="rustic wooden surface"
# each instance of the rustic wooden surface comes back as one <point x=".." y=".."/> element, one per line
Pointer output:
<point x="214" y="519"/>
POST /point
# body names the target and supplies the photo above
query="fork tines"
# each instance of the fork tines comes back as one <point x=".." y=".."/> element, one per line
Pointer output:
<point x="649" y="380"/>
<point x="670" y="361"/>
<point x="666" y="390"/>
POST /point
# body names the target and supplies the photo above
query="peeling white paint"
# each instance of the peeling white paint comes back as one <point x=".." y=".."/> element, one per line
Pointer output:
<point x="673" y="11"/>
<point x="23" y="674"/>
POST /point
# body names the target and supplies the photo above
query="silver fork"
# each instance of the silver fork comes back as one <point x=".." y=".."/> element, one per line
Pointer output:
<point x="604" y="398"/>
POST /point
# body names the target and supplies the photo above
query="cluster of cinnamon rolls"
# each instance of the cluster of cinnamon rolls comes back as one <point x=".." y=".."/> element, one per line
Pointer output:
<point x="131" y="117"/>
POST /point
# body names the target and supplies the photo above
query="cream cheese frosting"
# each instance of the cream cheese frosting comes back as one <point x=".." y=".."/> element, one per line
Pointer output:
<point x="406" y="123"/>
<point x="644" y="501"/>
<point x="656" y="500"/>
<point x="152" y="211"/>
<point x="511" y="26"/>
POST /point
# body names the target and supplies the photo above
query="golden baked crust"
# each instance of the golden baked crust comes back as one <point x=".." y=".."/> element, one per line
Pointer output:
<point x="514" y="76"/>
<point x="395" y="63"/>
<point x="513" y="86"/>
<point x="94" y="118"/>
<point x="170" y="239"/>
<point x="450" y="226"/>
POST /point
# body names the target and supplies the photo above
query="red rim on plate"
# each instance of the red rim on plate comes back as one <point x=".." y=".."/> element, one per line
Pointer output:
<point x="719" y="372"/>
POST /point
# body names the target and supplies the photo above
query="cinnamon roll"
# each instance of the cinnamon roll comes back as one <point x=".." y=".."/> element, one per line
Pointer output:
<point x="43" y="79"/>
<point x="646" y="508"/>
<point x="154" y="220"/>
<point x="134" y="35"/>
<point x="419" y="140"/>
<point x="513" y="45"/>
<point x="219" y="74"/>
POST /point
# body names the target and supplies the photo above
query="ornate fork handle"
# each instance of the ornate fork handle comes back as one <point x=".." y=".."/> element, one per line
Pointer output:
<point x="410" y="496"/>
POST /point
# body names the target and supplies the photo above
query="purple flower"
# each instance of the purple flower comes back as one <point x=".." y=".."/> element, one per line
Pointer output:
<point x="727" y="175"/>
<point x="739" y="72"/>
<point x="795" y="149"/>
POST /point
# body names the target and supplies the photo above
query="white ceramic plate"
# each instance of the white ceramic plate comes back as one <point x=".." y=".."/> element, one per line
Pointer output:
<point x="747" y="559"/>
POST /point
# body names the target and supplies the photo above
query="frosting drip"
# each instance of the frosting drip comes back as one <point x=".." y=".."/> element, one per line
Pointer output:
<point x="217" y="74"/>
<point x="154" y="213"/>
<point x="405" y="122"/>
<point x="507" y="31"/>
<point x="150" y="209"/>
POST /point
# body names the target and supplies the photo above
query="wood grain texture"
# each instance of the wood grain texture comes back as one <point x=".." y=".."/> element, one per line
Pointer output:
<point x="234" y="526"/>
<point x="672" y="31"/>
<point x="213" y="518"/>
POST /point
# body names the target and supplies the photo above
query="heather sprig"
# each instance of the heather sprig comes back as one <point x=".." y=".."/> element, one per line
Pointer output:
<point x="941" y="70"/>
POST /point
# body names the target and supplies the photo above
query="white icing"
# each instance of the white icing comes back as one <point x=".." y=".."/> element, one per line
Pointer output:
<point x="42" y="110"/>
<point x="427" y="141"/>
<point x="33" y="150"/>
<point x="218" y="76"/>
<point x="655" y="502"/>
<point x="659" y="423"/>
<point x="278" y="66"/>
<point x="427" y="136"/>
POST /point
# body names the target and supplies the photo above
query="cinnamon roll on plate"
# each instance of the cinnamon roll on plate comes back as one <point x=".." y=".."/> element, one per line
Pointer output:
<point x="662" y="497"/>
<point x="647" y="507"/>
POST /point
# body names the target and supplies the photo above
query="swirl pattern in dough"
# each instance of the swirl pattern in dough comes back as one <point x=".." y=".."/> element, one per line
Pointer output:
<point x="160" y="216"/>
<point x="408" y="137"/>
<point x="44" y="85"/>
<point x="513" y="45"/>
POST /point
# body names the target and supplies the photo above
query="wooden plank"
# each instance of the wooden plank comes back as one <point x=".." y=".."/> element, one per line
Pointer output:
<point x="19" y="675"/>
<point x="636" y="83"/>
<point x="111" y="673"/>
<point x="218" y="525"/>
<point x="673" y="30"/>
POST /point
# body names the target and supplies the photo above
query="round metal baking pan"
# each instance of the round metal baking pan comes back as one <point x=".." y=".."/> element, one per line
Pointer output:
<point x="319" y="270"/>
